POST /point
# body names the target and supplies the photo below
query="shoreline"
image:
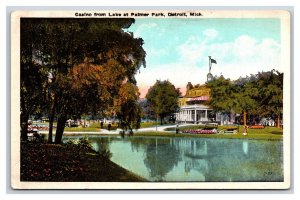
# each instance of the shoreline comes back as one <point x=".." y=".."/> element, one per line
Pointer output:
<point x="172" y="134"/>
<point x="61" y="163"/>
<point x="268" y="133"/>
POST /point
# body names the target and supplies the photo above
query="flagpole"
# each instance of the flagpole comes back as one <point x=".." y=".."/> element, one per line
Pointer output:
<point x="209" y="58"/>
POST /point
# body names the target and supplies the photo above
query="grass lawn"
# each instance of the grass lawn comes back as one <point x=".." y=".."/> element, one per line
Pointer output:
<point x="268" y="133"/>
<point x="80" y="129"/>
<point x="148" y="124"/>
<point x="94" y="127"/>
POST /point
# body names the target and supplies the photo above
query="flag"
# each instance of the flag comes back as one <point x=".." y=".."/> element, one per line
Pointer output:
<point x="213" y="61"/>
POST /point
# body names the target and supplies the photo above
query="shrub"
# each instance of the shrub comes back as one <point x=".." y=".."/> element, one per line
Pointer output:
<point x="230" y="127"/>
<point x="84" y="144"/>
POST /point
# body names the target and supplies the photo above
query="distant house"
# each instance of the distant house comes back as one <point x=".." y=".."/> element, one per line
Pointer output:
<point x="192" y="108"/>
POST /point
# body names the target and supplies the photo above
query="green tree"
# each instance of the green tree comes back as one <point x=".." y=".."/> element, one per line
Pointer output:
<point x="233" y="96"/>
<point x="221" y="92"/>
<point x="127" y="108"/>
<point x="163" y="98"/>
<point x="270" y="98"/>
<point x="244" y="97"/>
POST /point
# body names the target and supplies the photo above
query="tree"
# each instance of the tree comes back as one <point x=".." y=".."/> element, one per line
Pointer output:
<point x="33" y="77"/>
<point x="244" y="97"/>
<point x="147" y="112"/>
<point x="260" y="94"/>
<point x="221" y="92"/>
<point x="64" y="45"/>
<point x="233" y="96"/>
<point x="31" y="91"/>
<point x="163" y="98"/>
<point x="127" y="108"/>
<point x="270" y="86"/>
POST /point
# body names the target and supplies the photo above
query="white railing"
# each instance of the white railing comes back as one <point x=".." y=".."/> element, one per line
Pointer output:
<point x="194" y="107"/>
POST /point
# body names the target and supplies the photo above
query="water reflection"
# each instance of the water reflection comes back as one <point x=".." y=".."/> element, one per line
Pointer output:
<point x="160" y="159"/>
<point x="245" y="147"/>
<point x="196" y="159"/>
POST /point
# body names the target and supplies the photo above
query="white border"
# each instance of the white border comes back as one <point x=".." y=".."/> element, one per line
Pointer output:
<point x="15" y="94"/>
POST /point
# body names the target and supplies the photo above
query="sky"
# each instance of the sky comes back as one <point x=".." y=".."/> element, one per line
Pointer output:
<point x="178" y="49"/>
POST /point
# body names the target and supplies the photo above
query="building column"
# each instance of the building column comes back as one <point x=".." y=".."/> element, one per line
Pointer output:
<point x="206" y="114"/>
<point x="195" y="116"/>
<point x="180" y="115"/>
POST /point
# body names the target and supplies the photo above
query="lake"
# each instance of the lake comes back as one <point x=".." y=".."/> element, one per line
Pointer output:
<point x="196" y="159"/>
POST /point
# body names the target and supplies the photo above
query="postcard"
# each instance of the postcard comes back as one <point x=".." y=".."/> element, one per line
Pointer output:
<point x="150" y="99"/>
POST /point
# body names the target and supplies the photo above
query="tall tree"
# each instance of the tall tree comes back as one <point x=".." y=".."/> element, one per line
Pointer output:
<point x="270" y="86"/>
<point x="100" y="44"/>
<point x="260" y="94"/>
<point x="221" y="91"/>
<point x="33" y="77"/>
<point x="127" y="108"/>
<point x="31" y="91"/>
<point x="233" y="96"/>
<point x="163" y="98"/>
<point x="244" y="97"/>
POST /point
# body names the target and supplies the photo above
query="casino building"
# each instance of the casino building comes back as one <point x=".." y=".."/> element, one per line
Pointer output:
<point x="193" y="108"/>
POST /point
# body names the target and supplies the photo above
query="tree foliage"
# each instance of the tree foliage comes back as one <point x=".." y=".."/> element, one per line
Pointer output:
<point x="260" y="94"/>
<point x="221" y="94"/>
<point x="88" y="58"/>
<point x="163" y="98"/>
<point x="127" y="108"/>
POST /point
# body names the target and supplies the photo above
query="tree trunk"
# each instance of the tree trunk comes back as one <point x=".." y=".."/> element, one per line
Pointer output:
<point x="24" y="119"/>
<point x="51" y="119"/>
<point x="24" y="126"/>
<point x="278" y="121"/>
<point x="245" y="118"/>
<point x="161" y="120"/>
<point x="61" y="121"/>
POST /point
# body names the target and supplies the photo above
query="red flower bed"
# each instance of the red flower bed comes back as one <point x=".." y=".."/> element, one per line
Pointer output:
<point x="257" y="127"/>
<point x="199" y="131"/>
<point x="37" y="127"/>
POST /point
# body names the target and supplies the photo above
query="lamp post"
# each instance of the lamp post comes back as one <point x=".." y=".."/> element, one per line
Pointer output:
<point x="156" y="120"/>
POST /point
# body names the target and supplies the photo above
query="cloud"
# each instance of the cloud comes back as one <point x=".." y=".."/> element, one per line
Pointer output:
<point x="153" y="52"/>
<point x="144" y="28"/>
<point x="242" y="51"/>
<point x="243" y="56"/>
<point x="244" y="46"/>
<point x="191" y="51"/>
<point x="210" y="34"/>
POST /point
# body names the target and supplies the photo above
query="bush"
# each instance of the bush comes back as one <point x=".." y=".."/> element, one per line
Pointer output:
<point x="105" y="154"/>
<point x="84" y="144"/>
